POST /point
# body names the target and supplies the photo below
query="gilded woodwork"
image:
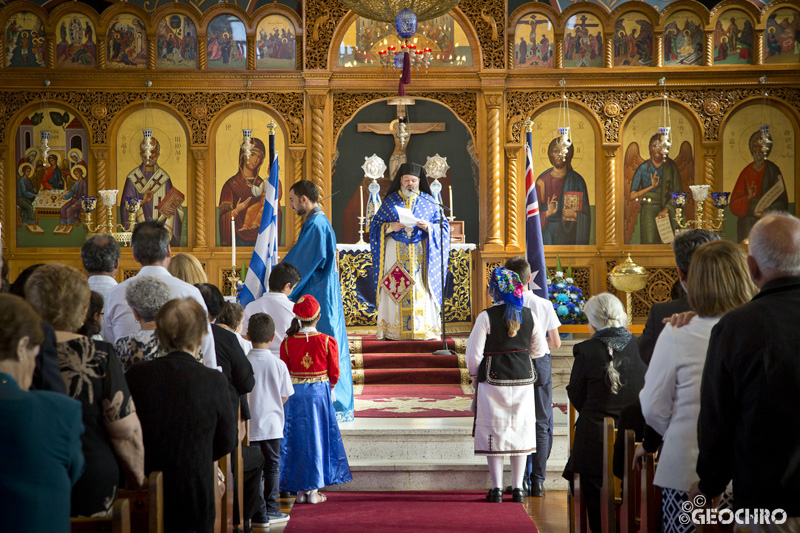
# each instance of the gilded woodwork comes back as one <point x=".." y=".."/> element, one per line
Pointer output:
<point x="100" y="178"/>
<point x="512" y="202"/>
<point x="495" y="176"/>
<point x="611" y="196"/>
<point x="621" y="102"/>
<point x="100" y="108"/>
<point x="298" y="155"/>
<point x="609" y="287"/>
<point x="488" y="17"/>
<point x="318" y="141"/>
<point x="657" y="290"/>
<point x="658" y="60"/>
<point x="224" y="284"/>
<point x="320" y="18"/>
<point x="758" y="46"/>
<point x="200" y="155"/>
<point x="463" y="104"/>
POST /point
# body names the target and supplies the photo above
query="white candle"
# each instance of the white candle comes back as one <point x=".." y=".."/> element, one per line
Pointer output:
<point x="233" y="242"/>
<point x="450" y="189"/>
<point x="361" y="198"/>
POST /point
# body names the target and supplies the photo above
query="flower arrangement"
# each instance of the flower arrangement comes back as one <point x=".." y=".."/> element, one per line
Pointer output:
<point x="567" y="299"/>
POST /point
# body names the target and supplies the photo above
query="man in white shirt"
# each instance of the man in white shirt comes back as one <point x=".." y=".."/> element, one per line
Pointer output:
<point x="273" y="387"/>
<point x="150" y="244"/>
<point x="545" y="315"/>
<point x="276" y="302"/>
<point x="100" y="255"/>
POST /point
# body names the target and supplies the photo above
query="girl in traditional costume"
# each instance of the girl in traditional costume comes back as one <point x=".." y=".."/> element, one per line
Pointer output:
<point x="312" y="452"/>
<point x="499" y="351"/>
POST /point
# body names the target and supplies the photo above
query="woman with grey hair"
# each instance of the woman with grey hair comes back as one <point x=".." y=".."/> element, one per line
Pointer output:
<point x="145" y="295"/>
<point x="606" y="378"/>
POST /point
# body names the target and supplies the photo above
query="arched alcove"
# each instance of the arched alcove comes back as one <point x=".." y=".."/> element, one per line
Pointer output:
<point x="454" y="142"/>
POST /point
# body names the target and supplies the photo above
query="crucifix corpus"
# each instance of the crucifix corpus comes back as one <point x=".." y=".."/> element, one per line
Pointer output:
<point x="401" y="130"/>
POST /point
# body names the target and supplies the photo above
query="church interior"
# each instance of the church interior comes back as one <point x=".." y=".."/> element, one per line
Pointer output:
<point x="322" y="90"/>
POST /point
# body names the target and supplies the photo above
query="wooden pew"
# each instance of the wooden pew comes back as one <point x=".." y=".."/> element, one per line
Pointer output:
<point x="118" y="522"/>
<point x="610" y="488"/>
<point x="650" y="497"/>
<point x="147" y="505"/>
<point x="225" y="512"/>
<point x="579" y="521"/>
<point x="573" y="497"/>
<point x="628" y="518"/>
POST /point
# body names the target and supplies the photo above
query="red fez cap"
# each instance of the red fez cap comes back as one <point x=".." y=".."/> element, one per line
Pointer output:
<point x="306" y="308"/>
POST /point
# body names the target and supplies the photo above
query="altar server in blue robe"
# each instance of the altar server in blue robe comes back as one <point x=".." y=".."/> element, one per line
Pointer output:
<point x="409" y="314"/>
<point x="316" y="258"/>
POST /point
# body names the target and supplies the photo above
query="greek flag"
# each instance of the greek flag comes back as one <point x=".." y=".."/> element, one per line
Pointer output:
<point x="265" y="254"/>
<point x="533" y="228"/>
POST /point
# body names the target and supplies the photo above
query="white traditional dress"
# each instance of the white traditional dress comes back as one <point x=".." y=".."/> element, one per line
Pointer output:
<point x="505" y="417"/>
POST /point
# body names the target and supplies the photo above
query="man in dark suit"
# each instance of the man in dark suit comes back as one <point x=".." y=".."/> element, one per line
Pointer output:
<point x="684" y="246"/>
<point x="749" y="424"/>
<point x="186" y="416"/>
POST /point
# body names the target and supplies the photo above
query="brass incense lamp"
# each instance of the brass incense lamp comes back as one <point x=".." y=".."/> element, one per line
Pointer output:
<point x="629" y="277"/>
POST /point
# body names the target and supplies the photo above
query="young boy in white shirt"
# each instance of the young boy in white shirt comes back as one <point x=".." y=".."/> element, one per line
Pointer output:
<point x="273" y="387"/>
<point x="544" y="314"/>
<point x="276" y="303"/>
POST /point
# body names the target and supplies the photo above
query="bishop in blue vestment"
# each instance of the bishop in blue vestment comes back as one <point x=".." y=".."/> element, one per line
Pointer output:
<point x="316" y="258"/>
<point x="409" y="314"/>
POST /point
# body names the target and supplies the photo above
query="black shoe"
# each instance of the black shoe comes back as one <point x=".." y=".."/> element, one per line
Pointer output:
<point x="495" y="495"/>
<point x="526" y="487"/>
<point x="537" y="490"/>
<point x="287" y="494"/>
<point x="518" y="496"/>
<point x="508" y="489"/>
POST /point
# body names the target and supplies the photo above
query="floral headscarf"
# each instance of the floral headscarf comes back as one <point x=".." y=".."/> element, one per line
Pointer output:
<point x="505" y="285"/>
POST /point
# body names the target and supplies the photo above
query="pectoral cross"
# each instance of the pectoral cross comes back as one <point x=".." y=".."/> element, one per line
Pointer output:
<point x="393" y="128"/>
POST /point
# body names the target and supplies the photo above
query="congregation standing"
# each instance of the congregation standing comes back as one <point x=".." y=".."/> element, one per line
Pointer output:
<point x="153" y="374"/>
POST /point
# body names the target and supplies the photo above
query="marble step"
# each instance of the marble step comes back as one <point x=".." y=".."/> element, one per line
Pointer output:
<point x="436" y="476"/>
<point x="427" y="454"/>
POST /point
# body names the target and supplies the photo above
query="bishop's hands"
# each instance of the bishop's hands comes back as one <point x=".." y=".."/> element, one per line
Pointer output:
<point x="396" y="226"/>
<point x="423" y="225"/>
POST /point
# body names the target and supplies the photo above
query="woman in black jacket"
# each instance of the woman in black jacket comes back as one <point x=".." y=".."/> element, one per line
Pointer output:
<point x="606" y="378"/>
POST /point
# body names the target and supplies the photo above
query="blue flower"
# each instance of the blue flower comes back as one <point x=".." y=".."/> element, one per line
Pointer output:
<point x="561" y="285"/>
<point x="562" y="298"/>
<point x="562" y="310"/>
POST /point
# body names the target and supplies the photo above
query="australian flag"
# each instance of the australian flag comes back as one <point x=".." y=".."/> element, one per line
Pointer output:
<point x="533" y="227"/>
<point x="265" y="254"/>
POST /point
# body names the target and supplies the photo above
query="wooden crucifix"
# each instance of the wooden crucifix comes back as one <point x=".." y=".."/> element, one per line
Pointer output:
<point x="394" y="127"/>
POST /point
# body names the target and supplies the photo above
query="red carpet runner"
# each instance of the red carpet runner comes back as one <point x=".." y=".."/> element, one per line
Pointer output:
<point x="462" y="511"/>
<point x="404" y="378"/>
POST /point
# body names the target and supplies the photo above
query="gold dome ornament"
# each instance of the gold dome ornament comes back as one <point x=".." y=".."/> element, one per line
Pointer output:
<point x="629" y="277"/>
